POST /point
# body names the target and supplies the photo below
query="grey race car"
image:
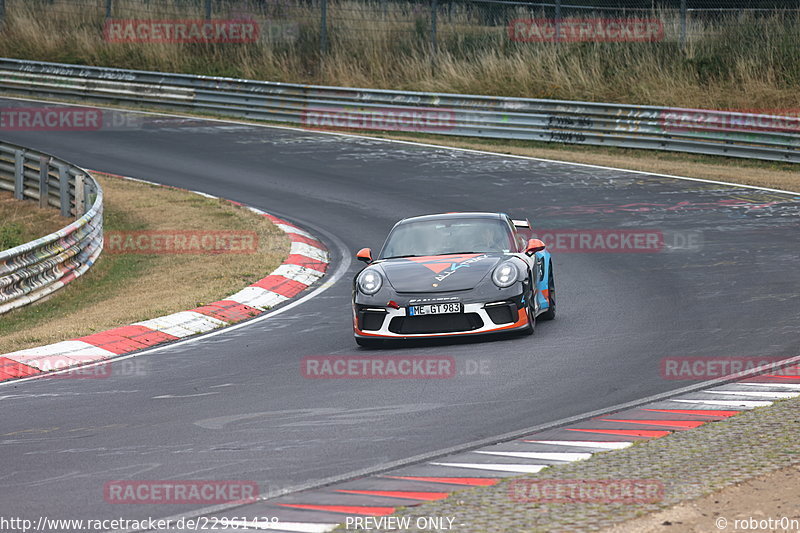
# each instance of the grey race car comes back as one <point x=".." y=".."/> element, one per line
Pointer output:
<point x="453" y="274"/>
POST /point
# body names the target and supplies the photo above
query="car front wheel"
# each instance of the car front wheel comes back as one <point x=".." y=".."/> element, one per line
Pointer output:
<point x="531" y="318"/>
<point x="550" y="314"/>
<point x="368" y="343"/>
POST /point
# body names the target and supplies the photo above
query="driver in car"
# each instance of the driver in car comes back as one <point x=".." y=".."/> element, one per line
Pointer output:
<point x="491" y="239"/>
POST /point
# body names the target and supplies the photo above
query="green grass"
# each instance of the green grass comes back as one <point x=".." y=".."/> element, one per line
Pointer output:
<point x="122" y="288"/>
<point x="11" y="235"/>
<point x="22" y="221"/>
<point x="104" y="278"/>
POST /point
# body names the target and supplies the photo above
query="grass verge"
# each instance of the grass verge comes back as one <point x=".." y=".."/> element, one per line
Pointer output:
<point x="128" y="287"/>
<point x="22" y="221"/>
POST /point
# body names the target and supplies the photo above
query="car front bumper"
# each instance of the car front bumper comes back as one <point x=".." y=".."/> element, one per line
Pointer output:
<point x="371" y="322"/>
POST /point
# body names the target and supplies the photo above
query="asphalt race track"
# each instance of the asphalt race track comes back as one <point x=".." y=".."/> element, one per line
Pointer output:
<point x="236" y="406"/>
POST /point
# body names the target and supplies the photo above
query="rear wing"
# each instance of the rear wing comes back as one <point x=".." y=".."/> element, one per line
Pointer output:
<point x="524" y="230"/>
<point x="521" y="224"/>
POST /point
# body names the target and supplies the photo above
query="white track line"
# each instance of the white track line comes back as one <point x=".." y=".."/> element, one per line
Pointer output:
<point x="789" y="386"/>
<point x="756" y="394"/>
<point x="497" y="467"/>
<point x="585" y="443"/>
<point x="544" y="456"/>
<point x="726" y="403"/>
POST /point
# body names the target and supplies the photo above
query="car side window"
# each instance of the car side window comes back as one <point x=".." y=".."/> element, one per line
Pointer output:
<point x="520" y="240"/>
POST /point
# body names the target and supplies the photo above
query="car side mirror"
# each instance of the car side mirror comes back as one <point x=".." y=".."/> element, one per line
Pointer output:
<point x="365" y="254"/>
<point x="534" y="245"/>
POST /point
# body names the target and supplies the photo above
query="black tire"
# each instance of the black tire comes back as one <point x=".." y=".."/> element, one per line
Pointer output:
<point x="532" y="318"/>
<point x="550" y="314"/>
<point x="368" y="343"/>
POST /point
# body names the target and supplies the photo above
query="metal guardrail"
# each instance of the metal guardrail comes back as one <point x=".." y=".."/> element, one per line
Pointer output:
<point x="746" y="135"/>
<point x="36" y="269"/>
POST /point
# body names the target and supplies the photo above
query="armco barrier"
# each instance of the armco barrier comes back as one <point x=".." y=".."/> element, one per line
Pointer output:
<point x="38" y="268"/>
<point x="747" y="135"/>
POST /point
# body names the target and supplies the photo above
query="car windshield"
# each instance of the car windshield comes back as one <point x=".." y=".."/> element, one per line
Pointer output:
<point x="447" y="236"/>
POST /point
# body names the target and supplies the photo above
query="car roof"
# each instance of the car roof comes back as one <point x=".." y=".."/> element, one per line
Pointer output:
<point x="453" y="216"/>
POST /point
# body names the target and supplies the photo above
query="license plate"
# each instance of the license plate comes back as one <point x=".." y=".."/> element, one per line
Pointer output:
<point x="435" y="309"/>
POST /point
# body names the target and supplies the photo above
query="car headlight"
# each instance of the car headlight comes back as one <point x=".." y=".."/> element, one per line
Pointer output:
<point x="505" y="275"/>
<point x="370" y="281"/>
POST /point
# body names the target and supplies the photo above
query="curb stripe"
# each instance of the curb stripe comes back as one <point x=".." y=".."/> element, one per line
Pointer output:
<point x="10" y="369"/>
<point x="698" y="412"/>
<point x="281" y="285"/>
<point x="584" y="443"/>
<point x="127" y="339"/>
<point x="756" y="394"/>
<point x="345" y="509"/>
<point x="257" y="297"/>
<point x="651" y="434"/>
<point x="288" y="228"/>
<point x="469" y="481"/>
<point x="228" y="311"/>
<point x="50" y="363"/>
<point x="72" y="346"/>
<point x="296" y="237"/>
<point x="790" y="386"/>
<point x="684" y="424"/>
<point x="545" y="456"/>
<point x="298" y="273"/>
<point x="498" y="467"/>
<point x="301" y="248"/>
<point x="182" y="324"/>
<point x="728" y="403"/>
<point x="408" y="495"/>
<point x="307" y="262"/>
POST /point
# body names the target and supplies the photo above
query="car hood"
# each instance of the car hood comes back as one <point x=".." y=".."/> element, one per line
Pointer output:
<point x="440" y="273"/>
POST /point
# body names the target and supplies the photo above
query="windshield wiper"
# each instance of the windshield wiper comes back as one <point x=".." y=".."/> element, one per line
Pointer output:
<point x="459" y="253"/>
<point x="442" y="253"/>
